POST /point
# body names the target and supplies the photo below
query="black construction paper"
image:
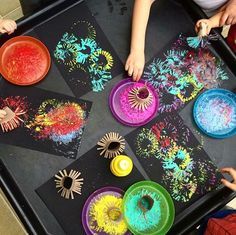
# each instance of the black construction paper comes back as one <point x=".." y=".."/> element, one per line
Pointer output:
<point x="95" y="170"/>
<point x="179" y="72"/>
<point x="171" y="155"/>
<point x="80" y="49"/>
<point x="53" y="123"/>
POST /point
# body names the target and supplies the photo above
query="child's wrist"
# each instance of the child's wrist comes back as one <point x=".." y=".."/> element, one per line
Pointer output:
<point x="136" y="50"/>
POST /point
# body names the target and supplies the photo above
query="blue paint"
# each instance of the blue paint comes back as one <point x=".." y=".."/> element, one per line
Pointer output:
<point x="136" y="218"/>
<point x="84" y="49"/>
<point x="194" y="42"/>
<point x="99" y="79"/>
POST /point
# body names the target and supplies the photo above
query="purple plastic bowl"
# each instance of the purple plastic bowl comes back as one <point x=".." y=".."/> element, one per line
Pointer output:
<point x="116" y="109"/>
<point x="85" y="218"/>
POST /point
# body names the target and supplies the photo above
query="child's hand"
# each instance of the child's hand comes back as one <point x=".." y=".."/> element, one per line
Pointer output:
<point x="135" y="64"/>
<point x="232" y="172"/>
<point x="2" y="114"/>
<point x="7" y="26"/>
<point x="229" y="13"/>
<point x="203" y="27"/>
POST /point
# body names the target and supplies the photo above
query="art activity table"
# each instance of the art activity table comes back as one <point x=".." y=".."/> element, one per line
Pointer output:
<point x="29" y="161"/>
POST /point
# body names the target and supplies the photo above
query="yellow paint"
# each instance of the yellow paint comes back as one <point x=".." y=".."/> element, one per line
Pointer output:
<point x="197" y="87"/>
<point x="106" y="216"/>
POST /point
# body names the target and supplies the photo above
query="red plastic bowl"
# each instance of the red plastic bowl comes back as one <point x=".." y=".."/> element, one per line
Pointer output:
<point x="24" y="60"/>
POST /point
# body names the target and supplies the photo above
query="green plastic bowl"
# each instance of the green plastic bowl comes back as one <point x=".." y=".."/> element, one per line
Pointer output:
<point x="132" y="209"/>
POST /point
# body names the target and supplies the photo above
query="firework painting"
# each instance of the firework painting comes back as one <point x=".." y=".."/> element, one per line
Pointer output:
<point x="51" y="122"/>
<point x="95" y="170"/>
<point x="181" y="72"/>
<point x="172" y="156"/>
<point x="80" y="50"/>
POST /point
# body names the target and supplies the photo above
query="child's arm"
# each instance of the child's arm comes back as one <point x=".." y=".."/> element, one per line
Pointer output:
<point x="208" y="24"/>
<point x="7" y="26"/>
<point x="2" y="114"/>
<point x="136" y="59"/>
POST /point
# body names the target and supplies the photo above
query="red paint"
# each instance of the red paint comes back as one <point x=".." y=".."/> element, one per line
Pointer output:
<point x="61" y="121"/>
<point x="25" y="63"/>
<point x="24" y="60"/>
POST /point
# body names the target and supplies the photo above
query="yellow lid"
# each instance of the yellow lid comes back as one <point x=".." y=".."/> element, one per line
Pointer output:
<point x="121" y="165"/>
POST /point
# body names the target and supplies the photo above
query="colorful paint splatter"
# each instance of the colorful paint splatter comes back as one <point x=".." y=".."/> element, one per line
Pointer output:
<point x="171" y="154"/>
<point x="139" y="220"/>
<point x="182" y="188"/>
<point x="168" y="102"/>
<point x="106" y="216"/>
<point x="147" y="144"/>
<point x="183" y="73"/>
<point x="49" y="122"/>
<point x="82" y="52"/>
<point x="206" y="175"/>
<point x="58" y="121"/>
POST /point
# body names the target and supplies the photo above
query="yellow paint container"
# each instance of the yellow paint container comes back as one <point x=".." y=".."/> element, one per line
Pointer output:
<point x="121" y="165"/>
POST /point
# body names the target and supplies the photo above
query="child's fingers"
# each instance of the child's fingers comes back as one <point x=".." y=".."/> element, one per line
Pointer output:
<point x="234" y="21"/>
<point x="127" y="65"/>
<point x="197" y="26"/>
<point x="7" y="27"/>
<point x="228" y="184"/>
<point x="135" y="74"/>
<point x="208" y="29"/>
<point x="198" y="23"/>
<point x="13" y="23"/>
<point x="229" y="21"/>
<point x="10" y="27"/>
<point x="130" y="70"/>
<point x="230" y="171"/>
<point x="227" y="170"/>
<point x="140" y="72"/>
<point x="3" y="112"/>
<point x="3" y="31"/>
<point x="224" y="18"/>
